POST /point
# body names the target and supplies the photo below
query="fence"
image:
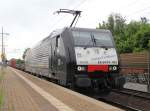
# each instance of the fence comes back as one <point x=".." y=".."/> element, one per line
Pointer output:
<point x="135" y="67"/>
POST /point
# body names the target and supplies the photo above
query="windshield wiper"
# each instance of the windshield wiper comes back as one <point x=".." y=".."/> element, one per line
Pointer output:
<point x="93" y="40"/>
<point x="95" y="44"/>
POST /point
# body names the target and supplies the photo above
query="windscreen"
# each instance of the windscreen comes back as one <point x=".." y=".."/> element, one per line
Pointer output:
<point x="87" y="38"/>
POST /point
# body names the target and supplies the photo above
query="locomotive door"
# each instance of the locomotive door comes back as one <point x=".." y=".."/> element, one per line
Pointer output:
<point x="55" y="55"/>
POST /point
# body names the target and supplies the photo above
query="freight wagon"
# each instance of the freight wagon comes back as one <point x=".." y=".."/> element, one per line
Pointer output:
<point x="12" y="63"/>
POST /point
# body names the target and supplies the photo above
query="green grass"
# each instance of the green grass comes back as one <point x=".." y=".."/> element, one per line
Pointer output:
<point x="1" y="77"/>
<point x="2" y="72"/>
<point x="1" y="98"/>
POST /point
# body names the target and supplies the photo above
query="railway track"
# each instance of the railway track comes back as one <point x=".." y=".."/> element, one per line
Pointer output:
<point x="118" y="104"/>
<point x="134" y="93"/>
<point x="126" y="99"/>
<point x="129" y="100"/>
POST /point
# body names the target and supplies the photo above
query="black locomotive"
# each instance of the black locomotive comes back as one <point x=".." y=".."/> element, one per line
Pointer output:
<point x="76" y="57"/>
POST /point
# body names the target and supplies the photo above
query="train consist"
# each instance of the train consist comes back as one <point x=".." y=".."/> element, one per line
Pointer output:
<point x="17" y="63"/>
<point x="76" y="57"/>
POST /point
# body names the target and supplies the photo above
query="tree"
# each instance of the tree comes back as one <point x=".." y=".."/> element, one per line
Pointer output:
<point x="131" y="37"/>
<point x="111" y="23"/>
<point x="119" y="24"/>
<point x="144" y="20"/>
<point x="142" y="37"/>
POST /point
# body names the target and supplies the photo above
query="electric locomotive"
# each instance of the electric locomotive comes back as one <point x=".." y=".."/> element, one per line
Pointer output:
<point x="79" y="57"/>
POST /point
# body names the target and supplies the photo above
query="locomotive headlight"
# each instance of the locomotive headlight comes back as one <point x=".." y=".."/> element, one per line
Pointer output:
<point x="81" y="68"/>
<point x="114" y="68"/>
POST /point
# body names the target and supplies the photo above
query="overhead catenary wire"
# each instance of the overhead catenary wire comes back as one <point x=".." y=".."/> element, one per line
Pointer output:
<point x="64" y="16"/>
<point x="133" y="12"/>
<point x="82" y="2"/>
<point x="130" y="4"/>
<point x="138" y="11"/>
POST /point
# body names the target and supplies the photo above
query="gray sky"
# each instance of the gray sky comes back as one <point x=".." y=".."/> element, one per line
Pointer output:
<point x="29" y="21"/>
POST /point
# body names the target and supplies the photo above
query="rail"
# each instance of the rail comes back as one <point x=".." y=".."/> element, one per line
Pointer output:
<point x="127" y="99"/>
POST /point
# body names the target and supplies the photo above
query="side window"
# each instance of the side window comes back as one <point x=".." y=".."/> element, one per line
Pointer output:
<point x="58" y="41"/>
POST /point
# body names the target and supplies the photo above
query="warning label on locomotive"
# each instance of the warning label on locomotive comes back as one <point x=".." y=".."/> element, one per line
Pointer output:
<point x="96" y="56"/>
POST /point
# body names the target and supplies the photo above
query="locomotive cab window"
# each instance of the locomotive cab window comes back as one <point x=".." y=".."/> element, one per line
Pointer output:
<point x="82" y="38"/>
<point x="86" y="38"/>
<point x="102" y="39"/>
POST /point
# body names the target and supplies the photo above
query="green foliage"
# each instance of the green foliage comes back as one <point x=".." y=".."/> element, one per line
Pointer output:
<point x="1" y="92"/>
<point x="1" y="98"/>
<point x="142" y="37"/>
<point x="19" y="61"/>
<point x="129" y="37"/>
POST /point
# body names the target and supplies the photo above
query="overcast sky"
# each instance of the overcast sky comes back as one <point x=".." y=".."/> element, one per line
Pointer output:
<point x="29" y="21"/>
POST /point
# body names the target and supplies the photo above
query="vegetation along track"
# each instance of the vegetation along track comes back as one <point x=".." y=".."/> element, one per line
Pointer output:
<point x="2" y="72"/>
<point x="127" y="99"/>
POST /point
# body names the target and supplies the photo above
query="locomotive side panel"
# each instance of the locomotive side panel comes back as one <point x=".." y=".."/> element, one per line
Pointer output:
<point x="70" y="56"/>
<point x="27" y="61"/>
<point x="57" y="60"/>
<point x="36" y="60"/>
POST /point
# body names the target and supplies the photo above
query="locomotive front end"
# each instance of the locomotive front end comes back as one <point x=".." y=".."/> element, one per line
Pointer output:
<point x="96" y="58"/>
